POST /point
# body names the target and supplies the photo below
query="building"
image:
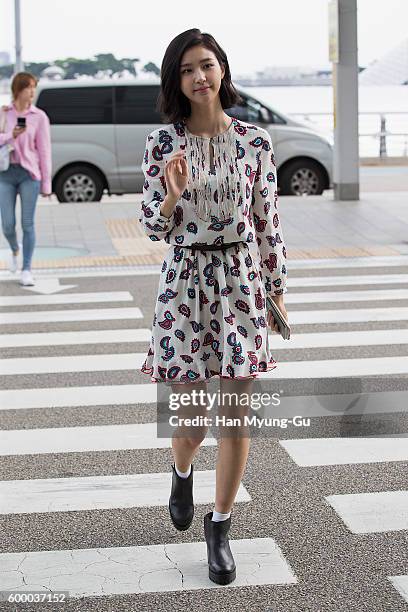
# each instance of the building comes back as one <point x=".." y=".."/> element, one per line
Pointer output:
<point x="391" y="69"/>
<point x="5" y="58"/>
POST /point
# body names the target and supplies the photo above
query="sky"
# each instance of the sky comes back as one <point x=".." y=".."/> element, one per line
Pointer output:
<point x="273" y="33"/>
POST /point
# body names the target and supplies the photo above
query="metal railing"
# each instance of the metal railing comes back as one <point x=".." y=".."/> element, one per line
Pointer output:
<point x="388" y="131"/>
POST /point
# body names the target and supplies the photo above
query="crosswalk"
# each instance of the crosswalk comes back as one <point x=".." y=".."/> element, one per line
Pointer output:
<point x="350" y="324"/>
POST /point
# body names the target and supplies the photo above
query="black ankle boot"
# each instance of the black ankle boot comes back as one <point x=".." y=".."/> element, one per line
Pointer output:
<point x="221" y="564"/>
<point x="181" y="505"/>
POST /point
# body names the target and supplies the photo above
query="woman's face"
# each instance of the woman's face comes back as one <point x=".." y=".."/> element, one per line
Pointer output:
<point x="200" y="75"/>
<point x="26" y="95"/>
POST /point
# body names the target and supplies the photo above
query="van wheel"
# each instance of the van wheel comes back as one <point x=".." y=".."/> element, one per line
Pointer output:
<point x="301" y="177"/>
<point x="79" y="184"/>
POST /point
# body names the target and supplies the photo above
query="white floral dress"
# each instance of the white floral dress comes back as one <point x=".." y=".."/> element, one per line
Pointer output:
<point x="210" y="317"/>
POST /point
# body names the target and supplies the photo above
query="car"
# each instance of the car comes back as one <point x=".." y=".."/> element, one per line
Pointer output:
<point x="99" y="130"/>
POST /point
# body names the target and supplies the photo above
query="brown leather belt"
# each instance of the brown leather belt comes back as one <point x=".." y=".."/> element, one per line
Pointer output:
<point x="210" y="247"/>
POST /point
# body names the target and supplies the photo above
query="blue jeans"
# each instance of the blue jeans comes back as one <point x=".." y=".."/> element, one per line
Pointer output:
<point x="17" y="180"/>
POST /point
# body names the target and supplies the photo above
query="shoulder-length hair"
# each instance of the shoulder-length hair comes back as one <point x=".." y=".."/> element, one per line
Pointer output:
<point x="20" y="81"/>
<point x="172" y="104"/>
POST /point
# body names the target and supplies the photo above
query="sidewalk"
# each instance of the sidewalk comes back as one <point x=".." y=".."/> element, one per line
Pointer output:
<point x="109" y="233"/>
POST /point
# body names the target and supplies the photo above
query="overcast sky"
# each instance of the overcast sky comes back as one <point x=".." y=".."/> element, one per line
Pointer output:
<point x="253" y="34"/>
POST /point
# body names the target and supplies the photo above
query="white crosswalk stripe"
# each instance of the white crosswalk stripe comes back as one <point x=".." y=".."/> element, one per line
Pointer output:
<point x="343" y="338"/>
<point x="343" y="451"/>
<point x="175" y="567"/>
<point x="45" y="316"/>
<point x="84" y="439"/>
<point x="306" y="317"/>
<point x="67" y="298"/>
<point x="102" y="336"/>
<point x="142" y="569"/>
<point x="98" y="395"/>
<point x="368" y="295"/>
<point x="347" y="280"/>
<point x="119" y="395"/>
<point x="101" y="492"/>
<point x="128" y="361"/>
<point x="401" y="585"/>
<point x="119" y="336"/>
<point x="372" y="512"/>
<point x="348" y="315"/>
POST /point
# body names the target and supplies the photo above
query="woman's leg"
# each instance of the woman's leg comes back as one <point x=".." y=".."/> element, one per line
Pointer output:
<point x="8" y="195"/>
<point x="233" y="443"/>
<point x="186" y="440"/>
<point x="29" y="190"/>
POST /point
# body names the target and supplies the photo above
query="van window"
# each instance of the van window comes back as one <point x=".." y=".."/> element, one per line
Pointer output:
<point x="240" y="112"/>
<point x="252" y="111"/>
<point x="73" y="105"/>
<point x="136" y="104"/>
<point x="248" y="110"/>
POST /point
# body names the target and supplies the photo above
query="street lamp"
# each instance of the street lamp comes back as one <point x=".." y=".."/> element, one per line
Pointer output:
<point x="19" y="66"/>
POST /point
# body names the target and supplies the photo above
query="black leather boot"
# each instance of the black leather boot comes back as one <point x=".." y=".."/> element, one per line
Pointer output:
<point x="181" y="505"/>
<point x="221" y="564"/>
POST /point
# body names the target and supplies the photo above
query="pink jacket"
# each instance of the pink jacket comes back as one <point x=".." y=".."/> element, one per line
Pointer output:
<point x="32" y="149"/>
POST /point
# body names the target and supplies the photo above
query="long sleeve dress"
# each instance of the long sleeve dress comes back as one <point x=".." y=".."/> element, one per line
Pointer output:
<point x="210" y="317"/>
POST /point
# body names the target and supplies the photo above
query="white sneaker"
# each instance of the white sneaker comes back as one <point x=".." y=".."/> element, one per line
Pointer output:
<point x="14" y="260"/>
<point x="27" y="278"/>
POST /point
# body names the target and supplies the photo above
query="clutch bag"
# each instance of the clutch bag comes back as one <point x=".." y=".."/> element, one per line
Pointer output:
<point x="280" y="320"/>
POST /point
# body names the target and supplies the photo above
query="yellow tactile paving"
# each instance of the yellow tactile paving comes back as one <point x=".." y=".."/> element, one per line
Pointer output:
<point x="134" y="248"/>
<point x="128" y="238"/>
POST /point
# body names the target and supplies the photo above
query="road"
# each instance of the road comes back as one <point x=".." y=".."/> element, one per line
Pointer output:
<point x="321" y="519"/>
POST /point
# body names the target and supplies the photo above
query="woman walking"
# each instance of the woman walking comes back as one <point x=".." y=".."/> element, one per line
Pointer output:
<point x="29" y="172"/>
<point x="210" y="190"/>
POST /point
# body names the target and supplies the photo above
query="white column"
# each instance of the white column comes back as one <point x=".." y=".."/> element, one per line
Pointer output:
<point x="345" y="91"/>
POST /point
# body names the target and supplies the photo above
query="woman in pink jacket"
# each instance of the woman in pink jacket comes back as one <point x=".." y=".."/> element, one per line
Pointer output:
<point x="29" y="173"/>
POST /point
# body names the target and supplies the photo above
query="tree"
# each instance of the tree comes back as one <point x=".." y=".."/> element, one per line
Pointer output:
<point x="36" y="68"/>
<point x="128" y="63"/>
<point x="6" y="71"/>
<point x="151" y="67"/>
<point x="102" y="63"/>
<point x="107" y="61"/>
<point x="77" y="67"/>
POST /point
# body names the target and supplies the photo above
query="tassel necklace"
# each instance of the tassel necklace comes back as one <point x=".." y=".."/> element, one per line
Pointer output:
<point x="213" y="193"/>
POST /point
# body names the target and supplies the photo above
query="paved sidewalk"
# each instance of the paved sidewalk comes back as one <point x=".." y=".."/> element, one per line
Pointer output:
<point x="110" y="235"/>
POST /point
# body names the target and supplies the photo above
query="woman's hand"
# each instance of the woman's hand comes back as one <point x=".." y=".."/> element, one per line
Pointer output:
<point x="278" y="299"/>
<point x="18" y="130"/>
<point x="176" y="175"/>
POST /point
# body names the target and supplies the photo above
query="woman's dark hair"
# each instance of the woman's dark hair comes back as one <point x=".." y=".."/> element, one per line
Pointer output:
<point x="172" y="104"/>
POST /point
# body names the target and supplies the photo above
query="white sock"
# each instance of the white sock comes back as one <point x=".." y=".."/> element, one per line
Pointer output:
<point x="183" y="474"/>
<point x="219" y="516"/>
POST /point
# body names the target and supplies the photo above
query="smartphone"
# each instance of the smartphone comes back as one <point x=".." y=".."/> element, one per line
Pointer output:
<point x="280" y="320"/>
<point x="21" y="122"/>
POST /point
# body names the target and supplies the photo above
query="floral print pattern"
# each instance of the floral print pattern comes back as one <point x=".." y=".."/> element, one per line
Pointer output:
<point x="210" y="317"/>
